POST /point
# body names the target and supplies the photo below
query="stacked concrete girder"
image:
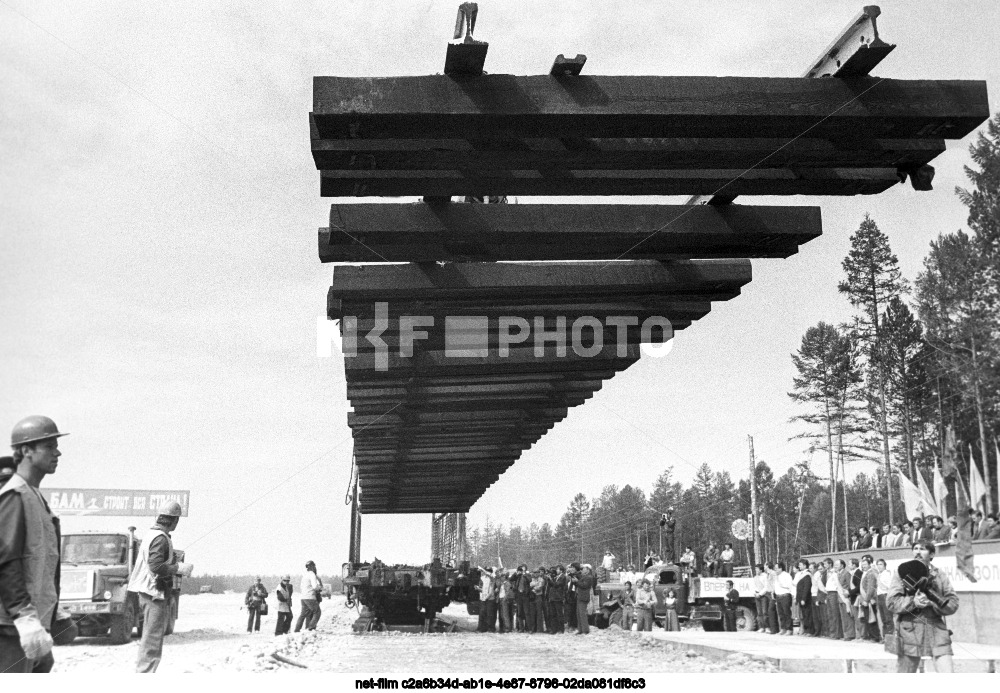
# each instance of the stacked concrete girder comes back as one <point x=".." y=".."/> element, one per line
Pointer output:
<point x="453" y="371"/>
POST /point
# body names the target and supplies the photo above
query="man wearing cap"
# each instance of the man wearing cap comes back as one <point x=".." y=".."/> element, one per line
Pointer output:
<point x="29" y="550"/>
<point x="152" y="579"/>
<point x="283" y="592"/>
<point x="311" y="588"/>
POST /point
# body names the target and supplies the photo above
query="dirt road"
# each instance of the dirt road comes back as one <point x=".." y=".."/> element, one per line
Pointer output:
<point x="211" y="636"/>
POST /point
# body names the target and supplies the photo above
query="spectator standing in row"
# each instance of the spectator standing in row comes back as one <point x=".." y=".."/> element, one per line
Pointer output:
<point x="570" y="604"/>
<point x="555" y="595"/>
<point x="833" y="625"/>
<point x="626" y="600"/>
<point x="505" y="602"/>
<point x="761" y="596"/>
<point x="727" y="557"/>
<point x="883" y="579"/>
<point x="979" y="528"/>
<point x="844" y="592"/>
<point x="670" y="621"/>
<point x="283" y="593"/>
<point x="487" y="602"/>
<point x="536" y="602"/>
<point x="607" y="565"/>
<point x="864" y="538"/>
<point x="804" y="596"/>
<point x="819" y="599"/>
<point x="645" y="605"/>
<point x="772" y="600"/>
<point x="522" y="586"/>
<point x="783" y="594"/>
<point x="584" y="583"/>
<point x="710" y="560"/>
<point x="868" y="600"/>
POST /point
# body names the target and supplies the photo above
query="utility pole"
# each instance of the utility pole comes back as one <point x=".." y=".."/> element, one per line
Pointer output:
<point x="753" y="505"/>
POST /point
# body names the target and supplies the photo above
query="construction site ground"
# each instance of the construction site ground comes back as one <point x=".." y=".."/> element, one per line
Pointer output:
<point x="211" y="637"/>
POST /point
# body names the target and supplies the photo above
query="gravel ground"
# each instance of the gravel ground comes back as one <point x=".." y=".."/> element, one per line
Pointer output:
<point x="211" y="636"/>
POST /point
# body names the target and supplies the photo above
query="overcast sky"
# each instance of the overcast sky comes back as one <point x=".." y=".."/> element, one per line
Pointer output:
<point x="160" y="283"/>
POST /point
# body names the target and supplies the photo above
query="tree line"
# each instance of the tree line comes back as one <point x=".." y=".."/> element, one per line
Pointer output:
<point x="917" y="358"/>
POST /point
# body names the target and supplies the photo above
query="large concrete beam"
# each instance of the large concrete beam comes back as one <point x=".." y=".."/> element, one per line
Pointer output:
<point x="502" y="281"/>
<point x="849" y="150"/>
<point x="420" y="232"/>
<point x="509" y="107"/>
<point x="764" y="181"/>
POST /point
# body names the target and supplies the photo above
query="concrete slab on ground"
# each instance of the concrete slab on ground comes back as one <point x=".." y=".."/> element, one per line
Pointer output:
<point x="804" y="654"/>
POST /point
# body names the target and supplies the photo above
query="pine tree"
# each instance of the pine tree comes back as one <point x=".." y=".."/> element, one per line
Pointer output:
<point x="983" y="202"/>
<point x="872" y="280"/>
<point x="906" y="375"/>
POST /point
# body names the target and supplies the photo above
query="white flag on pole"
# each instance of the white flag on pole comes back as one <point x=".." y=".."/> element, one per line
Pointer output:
<point x="925" y="492"/>
<point x="977" y="487"/>
<point x="940" y="490"/>
<point x="913" y="500"/>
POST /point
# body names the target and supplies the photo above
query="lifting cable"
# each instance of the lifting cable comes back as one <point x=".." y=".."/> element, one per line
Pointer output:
<point x="349" y="496"/>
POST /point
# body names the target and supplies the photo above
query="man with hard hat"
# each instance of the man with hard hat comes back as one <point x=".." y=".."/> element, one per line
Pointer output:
<point x="284" y="594"/>
<point x="29" y="550"/>
<point x="152" y="578"/>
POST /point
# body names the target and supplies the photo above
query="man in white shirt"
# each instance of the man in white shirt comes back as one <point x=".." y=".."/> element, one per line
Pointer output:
<point x="761" y="596"/>
<point x="884" y="579"/>
<point x="783" y="595"/>
<point x="310" y="592"/>
<point x="607" y="565"/>
<point x="833" y="627"/>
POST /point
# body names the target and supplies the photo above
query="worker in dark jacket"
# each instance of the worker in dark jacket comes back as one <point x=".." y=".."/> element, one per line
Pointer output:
<point x="152" y="579"/>
<point x="556" y="596"/>
<point x="29" y="550"/>
<point x="583" y="581"/>
<point x="522" y="586"/>
<point x="729" y="604"/>
<point x="920" y="626"/>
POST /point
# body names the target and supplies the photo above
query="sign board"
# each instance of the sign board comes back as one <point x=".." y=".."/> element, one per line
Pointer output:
<point x="105" y="501"/>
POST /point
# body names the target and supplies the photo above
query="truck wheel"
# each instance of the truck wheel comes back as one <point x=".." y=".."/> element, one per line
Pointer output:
<point x="746" y="618"/>
<point x="122" y="624"/>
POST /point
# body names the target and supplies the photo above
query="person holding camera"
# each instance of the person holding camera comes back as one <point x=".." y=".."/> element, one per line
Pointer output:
<point x="919" y="611"/>
<point x="256" y="606"/>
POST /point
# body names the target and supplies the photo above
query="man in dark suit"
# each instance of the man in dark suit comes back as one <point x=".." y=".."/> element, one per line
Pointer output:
<point x="864" y="538"/>
<point x="979" y="526"/>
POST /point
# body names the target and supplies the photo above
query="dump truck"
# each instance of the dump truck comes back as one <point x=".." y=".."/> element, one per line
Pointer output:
<point x="94" y="584"/>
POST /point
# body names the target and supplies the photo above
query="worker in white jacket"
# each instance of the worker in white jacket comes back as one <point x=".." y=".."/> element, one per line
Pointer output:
<point x="311" y="591"/>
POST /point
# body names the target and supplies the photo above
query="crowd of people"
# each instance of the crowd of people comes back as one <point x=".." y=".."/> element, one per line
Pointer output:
<point x="861" y="600"/>
<point x="929" y="528"/>
<point x="552" y="600"/>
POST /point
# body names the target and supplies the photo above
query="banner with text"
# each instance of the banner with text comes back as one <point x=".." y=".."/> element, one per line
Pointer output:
<point x="106" y="501"/>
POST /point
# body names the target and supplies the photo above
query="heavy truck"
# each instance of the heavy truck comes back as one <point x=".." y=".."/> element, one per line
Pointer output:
<point x="94" y="584"/>
<point x="405" y="597"/>
<point x="699" y="599"/>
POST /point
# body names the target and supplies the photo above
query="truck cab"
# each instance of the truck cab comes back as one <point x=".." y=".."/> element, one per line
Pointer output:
<point x="94" y="584"/>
